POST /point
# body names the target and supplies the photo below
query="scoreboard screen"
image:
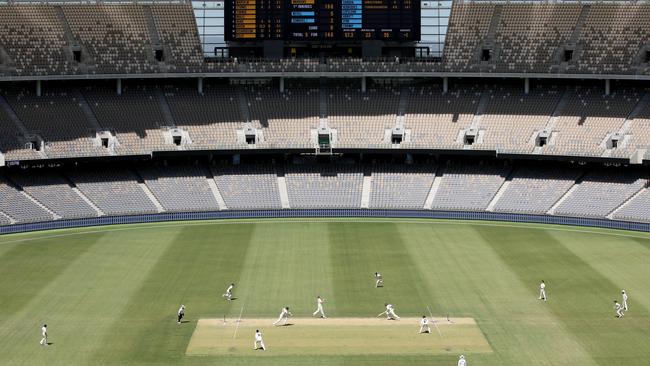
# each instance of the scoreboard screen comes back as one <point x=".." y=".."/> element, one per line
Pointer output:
<point x="322" y="20"/>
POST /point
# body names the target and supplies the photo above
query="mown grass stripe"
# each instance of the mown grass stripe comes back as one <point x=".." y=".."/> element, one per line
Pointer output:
<point x="467" y="278"/>
<point x="27" y="270"/>
<point x="579" y="296"/>
<point x="357" y="252"/>
<point x="287" y="265"/>
<point x="193" y="270"/>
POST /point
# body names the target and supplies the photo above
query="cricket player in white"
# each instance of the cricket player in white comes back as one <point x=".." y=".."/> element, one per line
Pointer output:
<point x="284" y="315"/>
<point x="319" y="307"/>
<point x="259" y="341"/>
<point x="181" y="313"/>
<point x="624" y="300"/>
<point x="424" y="325"/>
<point x="379" y="280"/>
<point x="44" y="335"/>
<point x="542" y="291"/>
<point x="228" y="294"/>
<point x="390" y="312"/>
<point x="461" y="361"/>
<point x="619" y="309"/>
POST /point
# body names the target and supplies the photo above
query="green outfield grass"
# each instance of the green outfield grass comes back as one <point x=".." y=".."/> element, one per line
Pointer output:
<point x="110" y="295"/>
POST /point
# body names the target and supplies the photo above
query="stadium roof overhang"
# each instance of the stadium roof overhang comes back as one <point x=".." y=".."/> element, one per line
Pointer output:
<point x="477" y="153"/>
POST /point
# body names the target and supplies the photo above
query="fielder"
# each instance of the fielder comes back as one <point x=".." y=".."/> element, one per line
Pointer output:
<point x="390" y="312"/>
<point x="258" y="341"/>
<point x="319" y="307"/>
<point x="624" y="300"/>
<point x="379" y="280"/>
<point x="228" y="294"/>
<point x="424" y="325"/>
<point x="284" y="315"/>
<point x="181" y="313"/>
<point x="461" y="361"/>
<point x="542" y="291"/>
<point x="619" y="309"/>
<point x="44" y="335"/>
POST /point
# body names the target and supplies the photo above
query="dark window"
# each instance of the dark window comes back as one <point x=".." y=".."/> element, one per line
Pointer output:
<point x="177" y="140"/>
<point x="542" y="141"/>
<point x="250" y="139"/>
<point x="486" y="54"/>
<point x="469" y="139"/>
<point x="35" y="145"/>
<point x="396" y="139"/>
<point x="76" y="55"/>
<point x="647" y="57"/>
<point x="160" y="55"/>
<point x="220" y="52"/>
<point x="324" y="139"/>
<point x="105" y="142"/>
<point x="568" y="56"/>
<point x="614" y="143"/>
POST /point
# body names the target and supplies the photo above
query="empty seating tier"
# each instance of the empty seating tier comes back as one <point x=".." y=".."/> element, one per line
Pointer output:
<point x="114" y="191"/>
<point x="55" y="193"/>
<point x="180" y="188"/>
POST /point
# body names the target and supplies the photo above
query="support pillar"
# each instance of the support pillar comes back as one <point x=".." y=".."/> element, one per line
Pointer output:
<point x="445" y="85"/>
<point x="38" y="88"/>
<point x="119" y="86"/>
<point x="363" y="84"/>
<point x="199" y="85"/>
<point x="281" y="85"/>
<point x="526" y="86"/>
<point x="608" y="86"/>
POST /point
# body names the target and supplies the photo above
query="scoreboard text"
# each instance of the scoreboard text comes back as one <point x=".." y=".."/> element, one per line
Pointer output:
<point x="322" y="20"/>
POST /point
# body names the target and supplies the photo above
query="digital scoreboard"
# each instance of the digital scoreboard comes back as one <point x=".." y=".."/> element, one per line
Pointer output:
<point x="322" y="20"/>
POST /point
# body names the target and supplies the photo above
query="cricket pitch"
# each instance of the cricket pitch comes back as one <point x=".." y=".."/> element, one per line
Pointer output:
<point x="336" y="336"/>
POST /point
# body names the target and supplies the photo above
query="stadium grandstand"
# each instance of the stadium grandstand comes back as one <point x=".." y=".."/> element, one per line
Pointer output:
<point x="113" y="109"/>
<point x="451" y="161"/>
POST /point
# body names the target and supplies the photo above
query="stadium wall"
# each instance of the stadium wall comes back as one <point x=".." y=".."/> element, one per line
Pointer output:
<point x="323" y="213"/>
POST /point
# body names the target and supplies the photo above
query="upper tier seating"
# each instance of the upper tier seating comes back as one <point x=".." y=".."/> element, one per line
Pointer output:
<point x="115" y="36"/>
<point x="528" y="36"/>
<point x="33" y="39"/>
<point x="177" y="30"/>
<point x="606" y="38"/>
